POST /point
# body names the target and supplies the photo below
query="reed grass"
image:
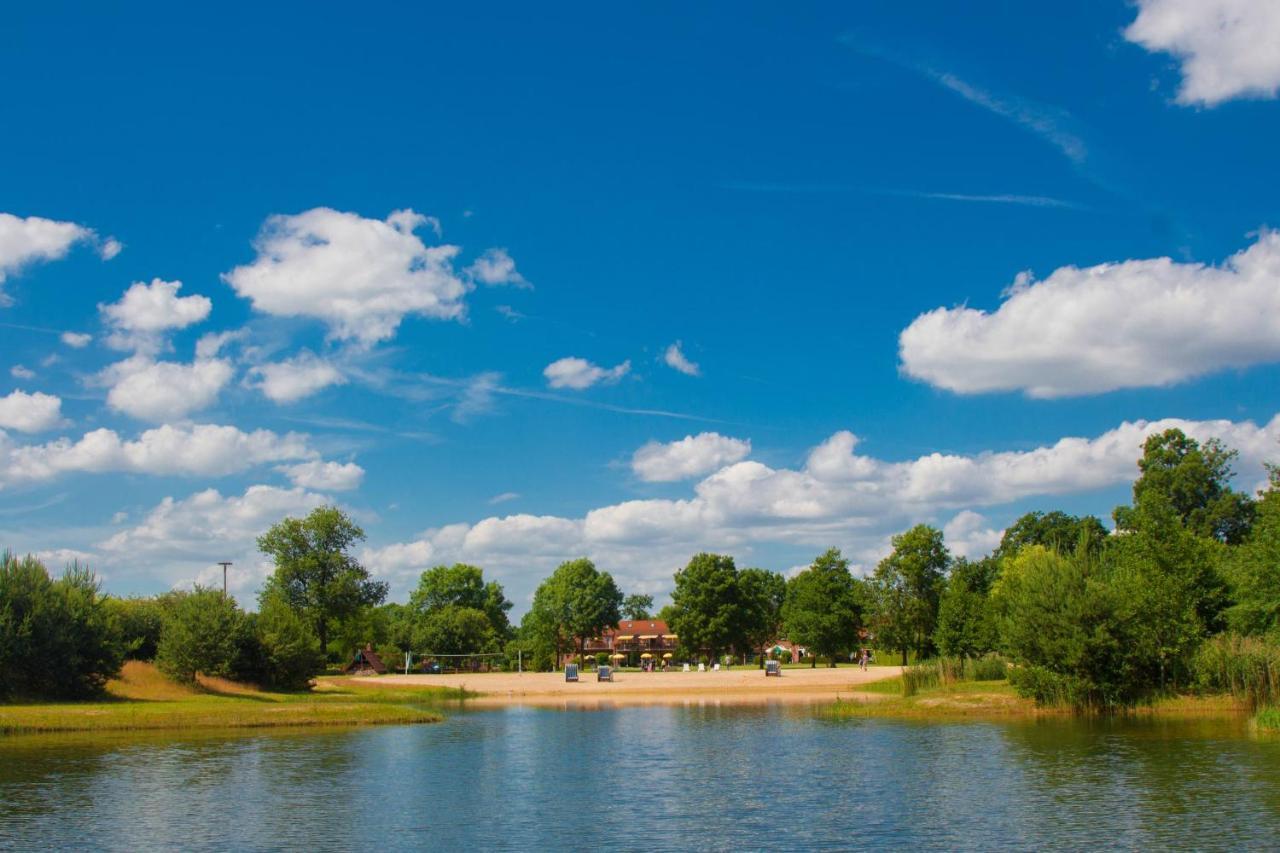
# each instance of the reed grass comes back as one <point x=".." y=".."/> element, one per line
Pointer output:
<point x="1246" y="667"/>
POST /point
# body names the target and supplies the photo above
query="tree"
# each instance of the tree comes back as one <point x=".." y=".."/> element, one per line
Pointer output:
<point x="291" y="654"/>
<point x="575" y="603"/>
<point x="823" y="608"/>
<point x="138" y="622"/>
<point x="761" y="594"/>
<point x="636" y="606"/>
<point x="1067" y="628"/>
<point x="1253" y="569"/>
<point x="57" y="638"/>
<point x="200" y="635"/>
<point x="906" y="589"/>
<point x="966" y="627"/>
<point x="461" y="585"/>
<point x="1193" y="480"/>
<point x="1053" y="530"/>
<point x="315" y="574"/>
<point x="708" y="605"/>
<point x="455" y="630"/>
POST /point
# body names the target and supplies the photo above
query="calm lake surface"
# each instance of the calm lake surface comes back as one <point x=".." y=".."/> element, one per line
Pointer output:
<point x="653" y="778"/>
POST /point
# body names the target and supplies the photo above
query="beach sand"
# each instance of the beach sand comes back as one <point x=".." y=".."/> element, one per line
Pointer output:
<point x="740" y="685"/>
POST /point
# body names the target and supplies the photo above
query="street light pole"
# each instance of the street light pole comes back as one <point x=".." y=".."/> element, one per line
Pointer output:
<point x="224" y="565"/>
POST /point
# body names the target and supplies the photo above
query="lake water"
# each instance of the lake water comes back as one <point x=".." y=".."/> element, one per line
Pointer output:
<point x="653" y="778"/>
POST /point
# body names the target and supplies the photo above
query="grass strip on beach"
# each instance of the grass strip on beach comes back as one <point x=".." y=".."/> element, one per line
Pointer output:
<point x="996" y="699"/>
<point x="143" y="699"/>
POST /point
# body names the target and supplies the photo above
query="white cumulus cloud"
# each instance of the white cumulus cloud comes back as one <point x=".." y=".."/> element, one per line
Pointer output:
<point x="1228" y="48"/>
<point x="24" y="241"/>
<point x="295" y="378"/>
<point x="676" y="359"/>
<point x="969" y="534"/>
<point x="1120" y="325"/>
<point x="148" y="310"/>
<point x="164" y="390"/>
<point x="578" y="373"/>
<point x="496" y="267"/>
<point x="359" y="276"/>
<point x="76" y="340"/>
<point x="330" y="476"/>
<point x="30" y="412"/>
<point x="691" y="456"/>
<point x="207" y="450"/>
<point x="181" y="540"/>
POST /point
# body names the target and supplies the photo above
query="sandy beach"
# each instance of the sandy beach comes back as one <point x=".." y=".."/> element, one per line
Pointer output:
<point x="743" y="685"/>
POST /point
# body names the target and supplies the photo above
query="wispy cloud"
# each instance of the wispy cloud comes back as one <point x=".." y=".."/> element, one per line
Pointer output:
<point x="1052" y="124"/>
<point x="1044" y="121"/>
<point x="977" y="198"/>
<point x="503" y="498"/>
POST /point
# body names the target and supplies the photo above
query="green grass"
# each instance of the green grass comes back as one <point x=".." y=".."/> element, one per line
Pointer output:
<point x="1000" y="700"/>
<point x="142" y="699"/>
<point x="1268" y="720"/>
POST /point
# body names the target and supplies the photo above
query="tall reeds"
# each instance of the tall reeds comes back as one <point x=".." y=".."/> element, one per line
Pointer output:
<point x="1246" y="667"/>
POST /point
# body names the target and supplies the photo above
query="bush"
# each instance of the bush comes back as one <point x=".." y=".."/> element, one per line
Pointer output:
<point x="1246" y="667"/>
<point x="1048" y="688"/>
<point x="989" y="668"/>
<point x="602" y="658"/>
<point x="138" y="622"/>
<point x="785" y="655"/>
<point x="202" y="634"/>
<point x="57" y="638"/>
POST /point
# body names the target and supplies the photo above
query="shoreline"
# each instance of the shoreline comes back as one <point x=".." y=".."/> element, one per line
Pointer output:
<point x="744" y="685"/>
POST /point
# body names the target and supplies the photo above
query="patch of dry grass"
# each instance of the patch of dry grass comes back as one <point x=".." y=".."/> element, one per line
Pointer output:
<point x="143" y="699"/>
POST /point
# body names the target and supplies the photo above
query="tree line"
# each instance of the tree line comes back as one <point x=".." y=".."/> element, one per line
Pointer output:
<point x="1085" y="615"/>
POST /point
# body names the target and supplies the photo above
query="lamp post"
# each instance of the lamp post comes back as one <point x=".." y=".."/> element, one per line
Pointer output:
<point x="224" y="565"/>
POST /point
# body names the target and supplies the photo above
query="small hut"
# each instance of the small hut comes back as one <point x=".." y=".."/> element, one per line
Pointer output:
<point x="366" y="662"/>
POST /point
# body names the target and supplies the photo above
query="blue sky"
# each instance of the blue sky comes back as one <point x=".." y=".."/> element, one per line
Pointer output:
<point x="886" y="221"/>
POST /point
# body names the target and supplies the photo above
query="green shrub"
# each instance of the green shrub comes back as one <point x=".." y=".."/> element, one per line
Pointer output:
<point x="1246" y="667"/>
<point x="204" y="633"/>
<point x="989" y="668"/>
<point x="57" y="638"/>
<point x="1049" y="688"/>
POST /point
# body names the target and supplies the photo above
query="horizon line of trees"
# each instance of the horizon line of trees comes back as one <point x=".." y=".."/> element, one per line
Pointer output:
<point x="1088" y="617"/>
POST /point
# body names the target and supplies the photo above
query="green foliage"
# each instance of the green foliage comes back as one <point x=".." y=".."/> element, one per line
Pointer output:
<point x="1253" y="570"/>
<point x="824" y="607"/>
<point x="57" y="637"/>
<point x="761" y="595"/>
<point x="906" y="591"/>
<point x="452" y="629"/>
<point x="1055" y="530"/>
<point x="718" y="608"/>
<point x="1193" y="480"/>
<point x="203" y="633"/>
<point x="575" y="603"/>
<point x="315" y="573"/>
<point x="1268" y="720"/>
<point x="461" y="585"/>
<point x="920" y="677"/>
<point x="637" y="606"/>
<point x="291" y="653"/>
<point x="988" y="668"/>
<point x="138" y="622"/>
<point x="1076" y="635"/>
<point x="1246" y="667"/>
<point x="966" y="625"/>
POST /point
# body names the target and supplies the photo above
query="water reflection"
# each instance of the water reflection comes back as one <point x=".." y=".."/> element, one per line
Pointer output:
<point x="702" y="777"/>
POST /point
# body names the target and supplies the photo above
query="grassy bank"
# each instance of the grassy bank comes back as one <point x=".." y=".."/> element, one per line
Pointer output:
<point x="997" y="700"/>
<point x="142" y="699"/>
